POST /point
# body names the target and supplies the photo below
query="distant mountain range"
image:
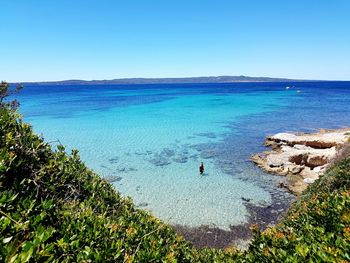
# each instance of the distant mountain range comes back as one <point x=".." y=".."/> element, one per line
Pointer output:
<point x="218" y="79"/>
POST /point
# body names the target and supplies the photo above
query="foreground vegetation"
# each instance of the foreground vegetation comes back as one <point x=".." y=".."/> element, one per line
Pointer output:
<point x="53" y="208"/>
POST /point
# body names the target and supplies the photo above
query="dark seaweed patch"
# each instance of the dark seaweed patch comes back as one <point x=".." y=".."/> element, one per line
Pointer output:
<point x="113" y="178"/>
<point x="113" y="160"/>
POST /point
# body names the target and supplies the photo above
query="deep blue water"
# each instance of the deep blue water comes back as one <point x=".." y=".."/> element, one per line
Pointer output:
<point x="151" y="138"/>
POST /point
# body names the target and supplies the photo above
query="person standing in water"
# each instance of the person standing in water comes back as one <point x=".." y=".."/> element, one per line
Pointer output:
<point x="201" y="168"/>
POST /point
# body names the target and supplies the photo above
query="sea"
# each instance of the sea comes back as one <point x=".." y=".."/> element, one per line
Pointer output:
<point x="149" y="140"/>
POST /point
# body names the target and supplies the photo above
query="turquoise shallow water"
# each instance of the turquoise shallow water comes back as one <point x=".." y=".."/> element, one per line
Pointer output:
<point x="152" y="138"/>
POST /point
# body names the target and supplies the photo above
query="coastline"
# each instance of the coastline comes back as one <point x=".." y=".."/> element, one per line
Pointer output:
<point x="238" y="236"/>
<point x="302" y="157"/>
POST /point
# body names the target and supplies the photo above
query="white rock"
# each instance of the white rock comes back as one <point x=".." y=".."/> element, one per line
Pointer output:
<point x="317" y="169"/>
<point x="319" y="140"/>
<point x="309" y="180"/>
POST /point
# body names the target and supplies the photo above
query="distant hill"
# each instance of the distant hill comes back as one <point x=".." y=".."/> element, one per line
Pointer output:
<point x="217" y="79"/>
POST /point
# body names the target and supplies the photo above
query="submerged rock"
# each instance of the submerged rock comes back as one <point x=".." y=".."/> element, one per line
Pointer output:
<point x="113" y="178"/>
<point x="125" y="169"/>
<point x="209" y="135"/>
<point x="113" y="160"/>
<point x="208" y="154"/>
<point x="159" y="160"/>
<point x="168" y="152"/>
<point x="180" y="159"/>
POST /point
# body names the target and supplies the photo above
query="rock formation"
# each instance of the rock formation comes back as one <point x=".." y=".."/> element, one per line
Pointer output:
<point x="302" y="158"/>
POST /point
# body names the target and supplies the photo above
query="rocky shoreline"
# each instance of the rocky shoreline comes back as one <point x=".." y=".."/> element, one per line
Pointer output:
<point x="302" y="157"/>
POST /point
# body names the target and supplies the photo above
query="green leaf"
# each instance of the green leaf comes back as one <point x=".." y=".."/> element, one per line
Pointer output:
<point x="302" y="250"/>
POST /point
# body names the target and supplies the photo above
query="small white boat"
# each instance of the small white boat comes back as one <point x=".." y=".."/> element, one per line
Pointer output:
<point x="287" y="87"/>
<point x="298" y="91"/>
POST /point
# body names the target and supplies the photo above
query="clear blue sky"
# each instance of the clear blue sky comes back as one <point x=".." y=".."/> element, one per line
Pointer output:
<point x="105" y="39"/>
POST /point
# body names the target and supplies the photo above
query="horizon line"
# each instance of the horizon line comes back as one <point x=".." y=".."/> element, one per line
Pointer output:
<point x="178" y="78"/>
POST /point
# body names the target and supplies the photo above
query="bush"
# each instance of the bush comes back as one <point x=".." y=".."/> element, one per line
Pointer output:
<point x="317" y="227"/>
